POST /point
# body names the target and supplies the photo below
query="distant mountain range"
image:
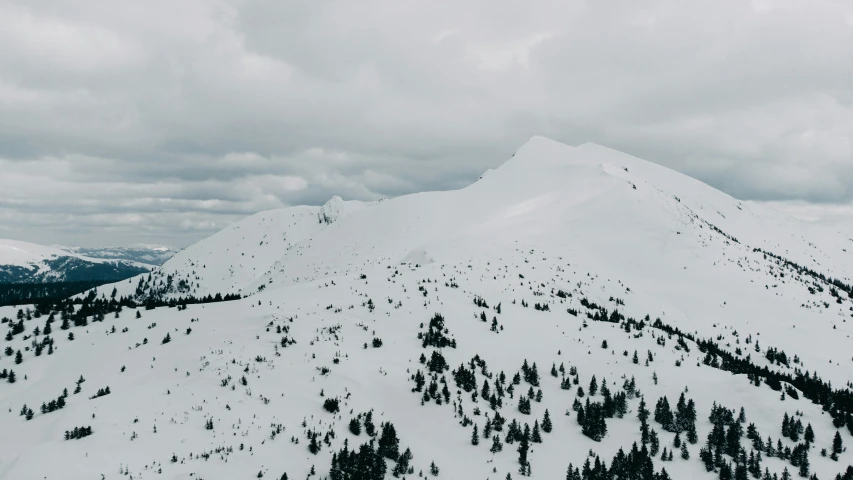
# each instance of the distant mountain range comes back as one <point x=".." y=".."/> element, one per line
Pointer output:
<point x="140" y="253"/>
<point x="30" y="272"/>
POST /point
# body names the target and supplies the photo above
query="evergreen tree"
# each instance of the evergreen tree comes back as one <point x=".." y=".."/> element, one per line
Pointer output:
<point x="654" y="443"/>
<point x="369" y="426"/>
<point x="692" y="437"/>
<point x="707" y="458"/>
<point x="523" y="449"/>
<point x="725" y="471"/>
<point x="546" y="422"/>
<point x="403" y="463"/>
<point x="313" y="446"/>
<point x="804" y="466"/>
<point x="740" y="472"/>
<point x="733" y="439"/>
<point x="837" y="444"/>
<point x="389" y="444"/>
<point x="536" y="437"/>
<point x="475" y="437"/>
<point x="524" y="405"/>
<point x="497" y="446"/>
<point x="355" y="426"/>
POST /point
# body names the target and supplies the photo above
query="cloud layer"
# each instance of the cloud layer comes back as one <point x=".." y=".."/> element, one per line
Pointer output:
<point x="164" y="121"/>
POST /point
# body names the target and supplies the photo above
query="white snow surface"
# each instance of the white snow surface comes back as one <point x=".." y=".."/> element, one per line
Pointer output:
<point x="587" y="220"/>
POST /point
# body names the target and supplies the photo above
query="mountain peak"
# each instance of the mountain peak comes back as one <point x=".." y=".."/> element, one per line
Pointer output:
<point x="331" y="210"/>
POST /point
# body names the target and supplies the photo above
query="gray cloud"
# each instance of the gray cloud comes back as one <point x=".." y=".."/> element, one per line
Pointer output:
<point x="163" y="122"/>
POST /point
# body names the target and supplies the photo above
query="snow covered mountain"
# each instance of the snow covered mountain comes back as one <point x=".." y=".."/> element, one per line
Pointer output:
<point x="429" y="321"/>
<point x="139" y="253"/>
<point x="24" y="262"/>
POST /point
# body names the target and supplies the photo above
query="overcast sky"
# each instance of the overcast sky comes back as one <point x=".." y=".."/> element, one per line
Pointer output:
<point x="163" y="121"/>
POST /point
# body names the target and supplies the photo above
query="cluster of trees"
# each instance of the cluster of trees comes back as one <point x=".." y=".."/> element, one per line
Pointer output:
<point x="437" y="363"/>
<point x="369" y="426"/>
<point x="432" y="392"/>
<point x="600" y="313"/>
<point x="530" y="373"/>
<point x="837" y="402"/>
<point x="834" y="282"/>
<point x="28" y="293"/>
<point x="724" y="439"/>
<point x="8" y="375"/>
<point x="50" y="406"/>
<point x="437" y="335"/>
<point x="792" y="429"/>
<point x="101" y="392"/>
<point x="682" y="420"/>
<point x="591" y="418"/>
<point x="776" y="356"/>
<point x="592" y="415"/>
<point x="636" y="464"/>
<point x="332" y="405"/>
<point x="368" y="462"/>
<point x="465" y="379"/>
<point x="78" y="432"/>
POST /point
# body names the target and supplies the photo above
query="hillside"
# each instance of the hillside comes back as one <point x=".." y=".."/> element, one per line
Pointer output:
<point x="232" y="260"/>
<point x="577" y="284"/>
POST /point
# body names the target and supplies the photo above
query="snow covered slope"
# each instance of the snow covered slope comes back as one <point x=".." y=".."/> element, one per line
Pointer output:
<point x="24" y="262"/>
<point x="233" y="259"/>
<point x="596" y="267"/>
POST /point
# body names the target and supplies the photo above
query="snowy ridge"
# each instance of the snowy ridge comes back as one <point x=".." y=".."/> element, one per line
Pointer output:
<point x="232" y="260"/>
<point x="14" y="252"/>
<point x="142" y="253"/>
<point x="563" y="257"/>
